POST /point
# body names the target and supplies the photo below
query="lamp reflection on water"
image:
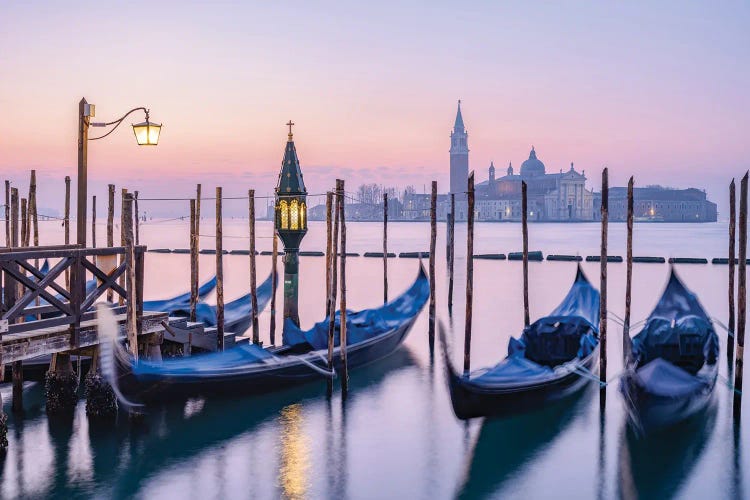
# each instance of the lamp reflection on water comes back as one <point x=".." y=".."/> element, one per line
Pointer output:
<point x="295" y="453"/>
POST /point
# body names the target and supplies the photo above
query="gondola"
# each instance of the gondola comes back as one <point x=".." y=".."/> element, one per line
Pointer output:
<point x="554" y="358"/>
<point x="250" y="368"/>
<point x="671" y="370"/>
<point x="237" y="313"/>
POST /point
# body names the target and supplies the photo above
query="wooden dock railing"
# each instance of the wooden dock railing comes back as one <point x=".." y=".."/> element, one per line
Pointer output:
<point x="24" y="282"/>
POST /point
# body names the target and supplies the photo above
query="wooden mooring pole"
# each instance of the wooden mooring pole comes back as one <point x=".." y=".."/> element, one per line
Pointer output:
<point x="120" y="299"/>
<point x="66" y="219"/>
<point x="603" y="283"/>
<point x="433" y="240"/>
<point x="342" y="218"/>
<point x="274" y="286"/>
<point x="385" y="248"/>
<point x="193" y="262"/>
<point x="732" y="262"/>
<point x="197" y="227"/>
<point x="33" y="209"/>
<point x="128" y="243"/>
<point x="525" y="234"/>
<point x="253" y="284"/>
<point x="628" y="275"/>
<point x="7" y="214"/>
<point x="741" y="297"/>
<point x="469" y="274"/>
<point x="93" y="221"/>
<point x="24" y="223"/>
<point x="110" y="227"/>
<point x="329" y="247"/>
<point x="219" y="275"/>
<point x="11" y="290"/>
<point x="136" y="218"/>
<point x="331" y="313"/>
<point x="451" y="250"/>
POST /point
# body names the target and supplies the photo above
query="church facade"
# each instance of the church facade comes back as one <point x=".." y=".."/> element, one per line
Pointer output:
<point x="558" y="197"/>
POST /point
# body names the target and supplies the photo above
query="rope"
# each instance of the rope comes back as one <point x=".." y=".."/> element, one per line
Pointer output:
<point x="234" y="236"/>
<point x="729" y="384"/>
<point x="229" y="197"/>
<point x="314" y="367"/>
<point x="588" y="374"/>
<point x="723" y="326"/>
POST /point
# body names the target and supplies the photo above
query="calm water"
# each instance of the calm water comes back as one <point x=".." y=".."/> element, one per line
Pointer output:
<point x="396" y="436"/>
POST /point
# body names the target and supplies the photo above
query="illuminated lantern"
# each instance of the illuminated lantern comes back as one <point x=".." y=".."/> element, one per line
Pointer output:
<point x="291" y="223"/>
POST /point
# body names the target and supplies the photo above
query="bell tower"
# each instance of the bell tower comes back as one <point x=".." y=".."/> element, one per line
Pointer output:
<point x="459" y="157"/>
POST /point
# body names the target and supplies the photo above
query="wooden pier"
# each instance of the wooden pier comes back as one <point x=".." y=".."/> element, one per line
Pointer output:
<point x="66" y="321"/>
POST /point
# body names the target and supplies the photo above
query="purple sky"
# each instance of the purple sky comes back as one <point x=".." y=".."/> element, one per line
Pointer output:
<point x="656" y="90"/>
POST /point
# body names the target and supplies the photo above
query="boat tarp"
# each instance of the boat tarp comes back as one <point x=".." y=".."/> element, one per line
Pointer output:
<point x="678" y="331"/>
<point x="365" y="324"/>
<point x="232" y="360"/>
<point x="234" y="311"/>
<point x="665" y="379"/>
<point x="569" y="333"/>
<point x="180" y="301"/>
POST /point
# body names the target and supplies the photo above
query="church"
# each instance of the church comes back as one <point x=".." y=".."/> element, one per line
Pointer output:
<point x="558" y="197"/>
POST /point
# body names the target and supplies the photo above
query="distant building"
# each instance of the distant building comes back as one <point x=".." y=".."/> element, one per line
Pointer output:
<point x="551" y="197"/>
<point x="659" y="204"/>
<point x="459" y="151"/>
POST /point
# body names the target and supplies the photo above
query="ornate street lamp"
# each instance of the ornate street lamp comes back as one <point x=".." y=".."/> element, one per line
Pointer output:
<point x="146" y="134"/>
<point x="291" y="223"/>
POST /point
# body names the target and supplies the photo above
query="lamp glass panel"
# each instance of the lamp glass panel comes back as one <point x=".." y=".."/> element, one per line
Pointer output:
<point x="284" y="215"/>
<point x="294" y="212"/>
<point x="303" y="216"/>
<point x="147" y="133"/>
<point x="153" y="134"/>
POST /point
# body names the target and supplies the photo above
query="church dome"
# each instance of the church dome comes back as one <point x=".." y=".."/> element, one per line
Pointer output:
<point x="532" y="167"/>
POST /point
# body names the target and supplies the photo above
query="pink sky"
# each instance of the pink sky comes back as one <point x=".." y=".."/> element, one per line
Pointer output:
<point x="656" y="92"/>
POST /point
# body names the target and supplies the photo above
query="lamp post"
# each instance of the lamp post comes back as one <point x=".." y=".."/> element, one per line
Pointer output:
<point x="146" y="134"/>
<point x="291" y="223"/>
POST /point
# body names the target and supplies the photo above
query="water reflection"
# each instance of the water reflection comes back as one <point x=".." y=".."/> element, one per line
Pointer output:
<point x="295" y="453"/>
<point x="504" y="446"/>
<point x="656" y="465"/>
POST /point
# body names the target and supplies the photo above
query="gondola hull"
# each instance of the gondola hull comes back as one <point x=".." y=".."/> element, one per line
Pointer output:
<point x="471" y="401"/>
<point x="648" y="412"/>
<point x="265" y="377"/>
